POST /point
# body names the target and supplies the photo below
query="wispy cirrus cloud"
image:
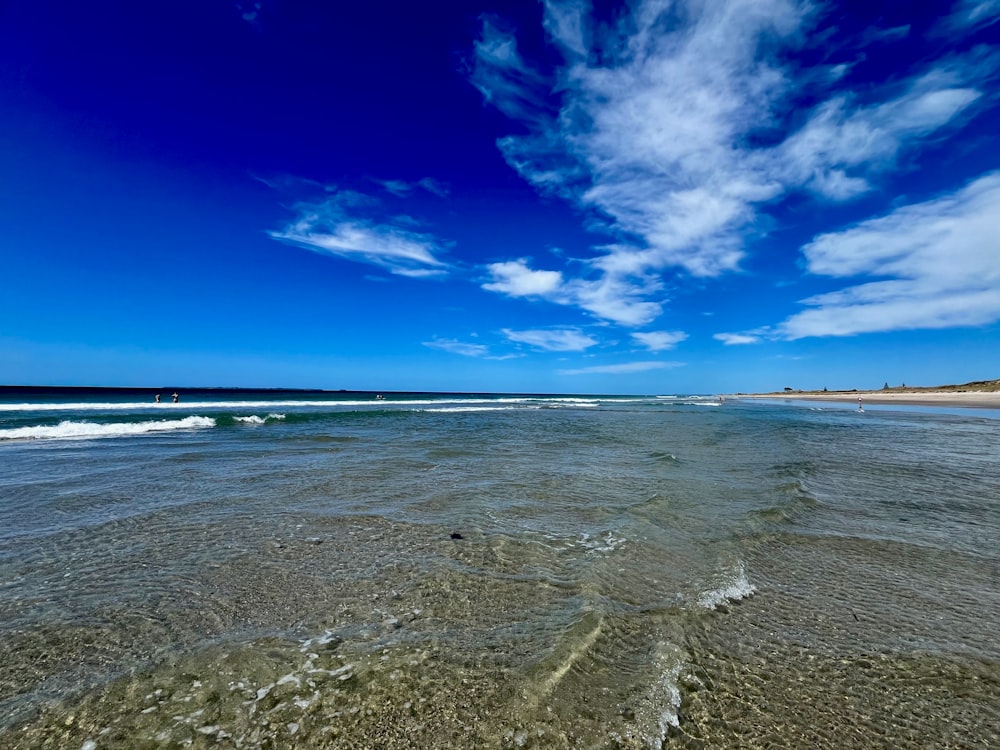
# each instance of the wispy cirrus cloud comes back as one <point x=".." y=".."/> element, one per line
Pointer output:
<point x="402" y="188"/>
<point x="627" y="368"/>
<point x="467" y="349"/>
<point x="680" y="125"/>
<point x="464" y="348"/>
<point x="552" y="339"/>
<point x="842" y="145"/>
<point x="658" y="341"/>
<point x="972" y="15"/>
<point x="504" y="78"/>
<point x="934" y="264"/>
<point x="733" y="339"/>
<point x="249" y="10"/>
<point x="355" y="226"/>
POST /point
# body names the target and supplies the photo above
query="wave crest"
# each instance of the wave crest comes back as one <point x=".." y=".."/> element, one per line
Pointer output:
<point x="734" y="587"/>
<point x="70" y="429"/>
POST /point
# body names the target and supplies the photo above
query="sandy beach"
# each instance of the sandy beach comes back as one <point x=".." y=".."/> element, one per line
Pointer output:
<point x="972" y="399"/>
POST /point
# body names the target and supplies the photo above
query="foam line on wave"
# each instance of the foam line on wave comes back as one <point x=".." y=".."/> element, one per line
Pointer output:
<point x="83" y="430"/>
<point x="331" y="403"/>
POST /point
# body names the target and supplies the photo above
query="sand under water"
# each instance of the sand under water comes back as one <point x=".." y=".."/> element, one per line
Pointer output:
<point x="638" y="573"/>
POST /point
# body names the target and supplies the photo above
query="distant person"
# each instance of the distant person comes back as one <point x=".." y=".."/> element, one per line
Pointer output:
<point x="176" y="398"/>
<point x="157" y="397"/>
<point x="860" y="407"/>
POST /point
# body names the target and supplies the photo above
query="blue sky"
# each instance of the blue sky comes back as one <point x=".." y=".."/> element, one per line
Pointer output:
<point x="650" y="197"/>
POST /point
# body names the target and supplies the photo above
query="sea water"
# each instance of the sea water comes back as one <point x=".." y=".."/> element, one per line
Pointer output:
<point x="444" y="571"/>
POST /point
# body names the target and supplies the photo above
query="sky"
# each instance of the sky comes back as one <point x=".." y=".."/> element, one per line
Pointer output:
<point x="661" y="196"/>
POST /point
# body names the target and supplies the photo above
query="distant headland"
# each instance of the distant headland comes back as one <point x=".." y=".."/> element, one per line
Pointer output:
<point x="93" y="390"/>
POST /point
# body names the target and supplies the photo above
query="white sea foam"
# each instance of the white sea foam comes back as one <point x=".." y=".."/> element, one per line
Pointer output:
<point x="605" y="543"/>
<point x="733" y="587"/>
<point x="455" y="409"/>
<point x="388" y="401"/>
<point x="255" y="419"/>
<point x="252" y="419"/>
<point x="658" y="711"/>
<point x="691" y="400"/>
<point x="68" y="429"/>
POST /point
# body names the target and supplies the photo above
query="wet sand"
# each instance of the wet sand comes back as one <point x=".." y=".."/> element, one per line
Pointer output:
<point x="972" y="399"/>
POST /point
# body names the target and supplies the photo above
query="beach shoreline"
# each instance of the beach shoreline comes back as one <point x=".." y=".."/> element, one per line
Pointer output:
<point x="970" y="399"/>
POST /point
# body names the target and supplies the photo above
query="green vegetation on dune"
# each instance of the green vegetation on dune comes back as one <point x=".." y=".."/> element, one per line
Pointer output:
<point x="976" y="386"/>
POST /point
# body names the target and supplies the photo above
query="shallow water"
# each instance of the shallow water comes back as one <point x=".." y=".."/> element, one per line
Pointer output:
<point x="497" y="572"/>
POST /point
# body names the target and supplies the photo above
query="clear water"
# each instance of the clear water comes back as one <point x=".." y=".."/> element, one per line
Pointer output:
<point x="445" y="571"/>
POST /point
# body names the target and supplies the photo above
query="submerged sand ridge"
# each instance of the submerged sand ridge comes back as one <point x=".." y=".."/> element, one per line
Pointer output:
<point x="978" y="394"/>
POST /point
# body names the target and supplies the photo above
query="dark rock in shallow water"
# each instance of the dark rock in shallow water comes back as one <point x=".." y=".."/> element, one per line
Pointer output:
<point x="456" y="535"/>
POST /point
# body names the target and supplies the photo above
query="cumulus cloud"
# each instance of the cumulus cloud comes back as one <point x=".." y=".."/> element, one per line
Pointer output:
<point x="515" y="279"/>
<point x="352" y="225"/>
<point x="622" y="369"/>
<point x="658" y="341"/>
<point x="934" y="264"/>
<point x="679" y="125"/>
<point x="552" y="340"/>
<point x="609" y="297"/>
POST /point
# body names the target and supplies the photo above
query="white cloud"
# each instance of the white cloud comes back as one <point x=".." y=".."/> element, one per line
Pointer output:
<point x="504" y="79"/>
<point x="401" y="188"/>
<point x="839" y="137"/>
<point x="973" y="15"/>
<point x="396" y="187"/>
<point x="732" y="339"/>
<point x="458" y="347"/>
<point x="249" y="11"/>
<point x="436" y="187"/>
<point x="515" y="279"/>
<point x="656" y="135"/>
<point x="553" y="340"/>
<point x="610" y="297"/>
<point x="615" y="297"/>
<point x="623" y="369"/>
<point x="934" y="265"/>
<point x="346" y="224"/>
<point x="658" y="341"/>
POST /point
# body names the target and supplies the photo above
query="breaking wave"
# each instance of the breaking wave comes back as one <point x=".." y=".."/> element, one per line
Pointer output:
<point x="69" y="429"/>
<point x="255" y="419"/>
<point x="733" y="587"/>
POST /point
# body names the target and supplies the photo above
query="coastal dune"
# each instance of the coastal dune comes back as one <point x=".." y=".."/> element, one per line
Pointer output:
<point x="982" y="394"/>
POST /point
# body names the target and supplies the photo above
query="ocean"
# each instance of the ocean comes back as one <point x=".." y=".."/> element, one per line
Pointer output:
<point x="338" y="570"/>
